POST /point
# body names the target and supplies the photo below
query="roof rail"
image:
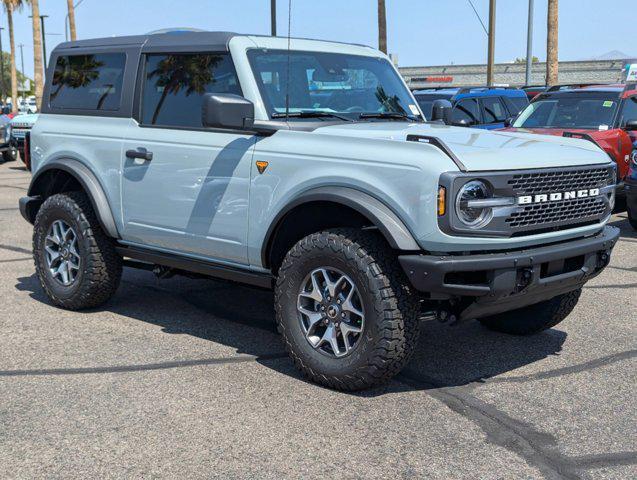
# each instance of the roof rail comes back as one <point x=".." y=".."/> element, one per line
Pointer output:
<point x="484" y="87"/>
<point x="573" y="86"/>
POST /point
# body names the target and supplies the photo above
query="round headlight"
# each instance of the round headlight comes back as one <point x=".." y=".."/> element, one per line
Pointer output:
<point x="633" y="157"/>
<point x="473" y="216"/>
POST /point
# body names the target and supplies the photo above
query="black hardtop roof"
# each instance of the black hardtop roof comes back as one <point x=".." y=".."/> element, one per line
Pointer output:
<point x="214" y="40"/>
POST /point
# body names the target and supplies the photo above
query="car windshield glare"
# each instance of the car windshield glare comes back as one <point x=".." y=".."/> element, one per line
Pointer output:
<point x="569" y="112"/>
<point x="330" y="83"/>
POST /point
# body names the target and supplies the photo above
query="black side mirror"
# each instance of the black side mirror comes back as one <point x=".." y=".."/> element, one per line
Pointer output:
<point x="6" y="110"/>
<point x="461" y="123"/>
<point x="441" y="111"/>
<point x="225" y="110"/>
<point x="631" y="125"/>
<point x="509" y="121"/>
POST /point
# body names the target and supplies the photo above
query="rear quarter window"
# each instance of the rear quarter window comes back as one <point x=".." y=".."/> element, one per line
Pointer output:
<point x="88" y="82"/>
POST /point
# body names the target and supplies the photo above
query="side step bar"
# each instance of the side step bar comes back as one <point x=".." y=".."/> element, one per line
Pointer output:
<point x="263" y="280"/>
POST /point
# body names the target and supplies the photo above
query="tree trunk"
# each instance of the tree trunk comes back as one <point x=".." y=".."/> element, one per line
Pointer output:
<point x="72" y="20"/>
<point x="382" y="27"/>
<point x="14" y="73"/>
<point x="551" y="44"/>
<point x="38" y="75"/>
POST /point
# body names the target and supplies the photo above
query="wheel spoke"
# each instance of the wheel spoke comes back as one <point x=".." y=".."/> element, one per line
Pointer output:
<point x="348" y="306"/>
<point x="52" y="254"/>
<point x="312" y="317"/>
<point x="316" y="294"/>
<point x="63" y="272"/>
<point x="329" y="337"/>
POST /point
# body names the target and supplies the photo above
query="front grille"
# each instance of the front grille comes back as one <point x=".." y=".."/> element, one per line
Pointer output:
<point x="565" y="211"/>
<point x="561" y="180"/>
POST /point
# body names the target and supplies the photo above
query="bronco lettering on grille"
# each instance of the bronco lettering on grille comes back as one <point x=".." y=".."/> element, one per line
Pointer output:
<point x="558" y="196"/>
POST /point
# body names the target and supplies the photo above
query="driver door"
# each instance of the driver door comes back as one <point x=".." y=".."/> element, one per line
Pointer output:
<point x="185" y="188"/>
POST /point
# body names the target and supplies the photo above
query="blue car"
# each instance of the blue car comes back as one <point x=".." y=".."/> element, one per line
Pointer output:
<point x="480" y="107"/>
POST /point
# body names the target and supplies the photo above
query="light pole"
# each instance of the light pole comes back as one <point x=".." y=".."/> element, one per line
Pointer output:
<point x="2" y="65"/>
<point x="22" y="67"/>
<point x="42" y="17"/>
<point x="529" y="45"/>
<point x="491" y="52"/>
<point x="66" y="20"/>
<point x="273" y="17"/>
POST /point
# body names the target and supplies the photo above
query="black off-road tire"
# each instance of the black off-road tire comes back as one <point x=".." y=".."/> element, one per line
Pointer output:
<point x="100" y="265"/>
<point x="632" y="218"/>
<point x="534" y="318"/>
<point x="10" y="155"/>
<point x="391" y="329"/>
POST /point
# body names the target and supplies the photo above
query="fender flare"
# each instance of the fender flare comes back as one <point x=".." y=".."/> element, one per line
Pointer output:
<point x="89" y="183"/>
<point x="387" y="222"/>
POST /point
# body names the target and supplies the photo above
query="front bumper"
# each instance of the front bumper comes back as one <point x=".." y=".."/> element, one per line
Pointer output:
<point x="503" y="281"/>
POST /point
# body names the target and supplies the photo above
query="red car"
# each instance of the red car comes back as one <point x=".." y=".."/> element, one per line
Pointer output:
<point x="603" y="114"/>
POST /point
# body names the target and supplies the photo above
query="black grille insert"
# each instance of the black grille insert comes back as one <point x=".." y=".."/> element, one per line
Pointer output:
<point x="567" y="211"/>
<point x="558" y="181"/>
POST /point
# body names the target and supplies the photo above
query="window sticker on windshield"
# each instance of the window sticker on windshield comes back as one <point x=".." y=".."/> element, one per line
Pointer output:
<point x="608" y="103"/>
<point x="414" y="110"/>
<point x="603" y="127"/>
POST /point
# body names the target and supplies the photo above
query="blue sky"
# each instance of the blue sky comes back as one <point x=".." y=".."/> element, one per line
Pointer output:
<point x="420" y="32"/>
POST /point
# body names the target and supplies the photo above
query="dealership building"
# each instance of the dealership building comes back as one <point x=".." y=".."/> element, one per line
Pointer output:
<point x="513" y="74"/>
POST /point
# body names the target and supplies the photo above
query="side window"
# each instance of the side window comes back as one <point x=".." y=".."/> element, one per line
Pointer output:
<point x="174" y="86"/>
<point x="493" y="110"/>
<point x="88" y="82"/>
<point x="466" y="110"/>
<point x="629" y="110"/>
<point x="515" y="104"/>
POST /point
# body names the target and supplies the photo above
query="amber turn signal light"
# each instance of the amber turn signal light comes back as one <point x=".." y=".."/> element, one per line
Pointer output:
<point x="442" y="201"/>
<point x="261" y="166"/>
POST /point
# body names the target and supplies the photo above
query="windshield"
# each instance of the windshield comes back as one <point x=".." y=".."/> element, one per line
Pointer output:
<point x="322" y="84"/>
<point x="577" y="111"/>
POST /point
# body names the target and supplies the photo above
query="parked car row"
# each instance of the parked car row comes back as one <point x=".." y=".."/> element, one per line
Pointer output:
<point x="481" y="107"/>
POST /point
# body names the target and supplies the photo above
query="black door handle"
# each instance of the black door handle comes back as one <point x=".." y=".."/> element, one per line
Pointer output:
<point x="140" y="153"/>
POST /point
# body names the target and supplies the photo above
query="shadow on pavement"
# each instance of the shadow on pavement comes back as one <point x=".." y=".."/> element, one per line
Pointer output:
<point x="243" y="318"/>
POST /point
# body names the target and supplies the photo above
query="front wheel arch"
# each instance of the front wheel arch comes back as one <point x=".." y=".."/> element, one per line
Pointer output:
<point x="358" y="209"/>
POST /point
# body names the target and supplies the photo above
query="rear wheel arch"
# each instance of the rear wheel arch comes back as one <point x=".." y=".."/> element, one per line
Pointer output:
<point x="331" y="207"/>
<point x="69" y="174"/>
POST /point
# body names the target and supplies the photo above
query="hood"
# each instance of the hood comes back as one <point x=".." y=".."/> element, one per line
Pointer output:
<point x="26" y="118"/>
<point x="483" y="150"/>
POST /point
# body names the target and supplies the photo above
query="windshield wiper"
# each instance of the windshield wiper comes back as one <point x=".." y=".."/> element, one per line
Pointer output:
<point x="394" y="115"/>
<point x="310" y="114"/>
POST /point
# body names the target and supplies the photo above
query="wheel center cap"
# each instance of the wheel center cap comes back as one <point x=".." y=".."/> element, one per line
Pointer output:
<point x="332" y="311"/>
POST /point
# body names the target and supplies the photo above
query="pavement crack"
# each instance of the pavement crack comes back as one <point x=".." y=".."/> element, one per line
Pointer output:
<point x="22" y="259"/>
<point x="539" y="449"/>
<point x="14" y="186"/>
<point x="142" y="367"/>
<point x="11" y="248"/>
<point x="558" y="372"/>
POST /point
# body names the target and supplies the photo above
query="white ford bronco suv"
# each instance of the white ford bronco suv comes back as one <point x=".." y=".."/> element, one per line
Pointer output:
<point x="306" y="167"/>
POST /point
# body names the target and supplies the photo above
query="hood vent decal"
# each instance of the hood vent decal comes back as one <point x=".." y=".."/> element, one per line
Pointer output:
<point x="436" y="142"/>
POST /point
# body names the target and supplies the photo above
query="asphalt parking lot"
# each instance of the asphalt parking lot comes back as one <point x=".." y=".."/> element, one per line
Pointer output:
<point x="186" y="378"/>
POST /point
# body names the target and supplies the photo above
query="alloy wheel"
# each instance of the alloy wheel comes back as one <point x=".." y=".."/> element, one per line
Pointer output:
<point x="331" y="312"/>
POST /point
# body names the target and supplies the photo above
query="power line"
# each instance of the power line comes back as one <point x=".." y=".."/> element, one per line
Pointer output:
<point x="478" y="15"/>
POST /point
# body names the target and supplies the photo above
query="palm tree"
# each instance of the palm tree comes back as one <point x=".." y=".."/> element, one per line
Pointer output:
<point x="72" y="19"/>
<point x="382" y="27"/>
<point x="38" y="73"/>
<point x="11" y="6"/>
<point x="190" y="72"/>
<point x="551" y="44"/>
